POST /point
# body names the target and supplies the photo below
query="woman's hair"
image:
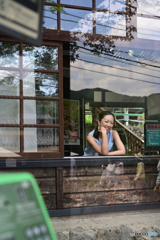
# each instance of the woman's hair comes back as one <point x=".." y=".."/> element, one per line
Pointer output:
<point x="101" y="116"/>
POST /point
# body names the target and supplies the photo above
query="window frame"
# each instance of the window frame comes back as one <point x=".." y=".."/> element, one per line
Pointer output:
<point x="21" y="98"/>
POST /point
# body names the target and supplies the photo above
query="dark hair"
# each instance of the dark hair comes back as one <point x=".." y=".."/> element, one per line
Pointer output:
<point x="101" y="116"/>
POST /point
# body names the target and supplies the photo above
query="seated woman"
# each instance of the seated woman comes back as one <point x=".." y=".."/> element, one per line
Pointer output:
<point x="100" y="141"/>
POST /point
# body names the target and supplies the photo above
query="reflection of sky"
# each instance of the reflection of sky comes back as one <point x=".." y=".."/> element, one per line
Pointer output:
<point x="84" y="3"/>
<point x="111" y="24"/>
<point x="111" y="5"/>
<point x="125" y="73"/>
<point x="76" y="20"/>
<point x="49" y="18"/>
<point x="148" y="28"/>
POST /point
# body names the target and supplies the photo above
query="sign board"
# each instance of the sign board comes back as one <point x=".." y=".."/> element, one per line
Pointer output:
<point x="22" y="20"/>
<point x="22" y="209"/>
<point x="152" y="136"/>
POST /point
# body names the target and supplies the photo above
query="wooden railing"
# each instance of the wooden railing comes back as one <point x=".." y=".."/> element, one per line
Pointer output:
<point x="133" y="144"/>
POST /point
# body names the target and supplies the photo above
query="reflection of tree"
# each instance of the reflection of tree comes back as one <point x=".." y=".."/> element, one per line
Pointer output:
<point x="103" y="43"/>
<point x="46" y="58"/>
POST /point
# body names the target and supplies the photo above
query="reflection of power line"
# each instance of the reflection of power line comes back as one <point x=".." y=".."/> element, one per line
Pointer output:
<point x="154" y="35"/>
<point x="88" y="20"/>
<point x="119" y="61"/>
<point x="104" y="65"/>
<point x="98" y="24"/>
<point x="126" y="59"/>
<point x="114" y="75"/>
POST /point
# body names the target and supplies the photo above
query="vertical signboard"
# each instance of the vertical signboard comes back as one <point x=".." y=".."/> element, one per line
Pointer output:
<point x="22" y="20"/>
<point x="152" y="136"/>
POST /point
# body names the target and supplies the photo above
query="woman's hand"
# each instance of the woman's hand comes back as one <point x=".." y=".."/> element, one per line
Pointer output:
<point x="103" y="130"/>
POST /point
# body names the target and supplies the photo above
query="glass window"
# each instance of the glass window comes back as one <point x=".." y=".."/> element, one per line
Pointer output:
<point x="111" y="5"/>
<point x="41" y="112"/>
<point x="146" y="30"/>
<point x="45" y="57"/>
<point x="41" y="140"/>
<point x="121" y="79"/>
<point x="9" y="83"/>
<point x="77" y="20"/>
<point x="110" y="24"/>
<point x="40" y="84"/>
<point x="9" y="55"/>
<point x="148" y="8"/>
<point x="148" y="20"/>
<point x="9" y="141"/>
<point x="49" y="18"/>
<point x="9" y="109"/>
<point x="83" y="3"/>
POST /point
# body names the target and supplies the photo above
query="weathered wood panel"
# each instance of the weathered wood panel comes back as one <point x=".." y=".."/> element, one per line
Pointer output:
<point x="104" y="198"/>
<point x="91" y="171"/>
<point x="50" y="201"/>
<point x="47" y="185"/>
<point x="92" y="183"/>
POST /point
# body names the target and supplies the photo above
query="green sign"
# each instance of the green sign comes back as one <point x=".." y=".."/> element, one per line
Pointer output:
<point x="152" y="134"/>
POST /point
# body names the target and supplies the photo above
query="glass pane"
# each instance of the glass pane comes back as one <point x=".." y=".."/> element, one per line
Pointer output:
<point x="40" y="84"/>
<point x="110" y="24"/>
<point x="128" y="85"/>
<point x="146" y="30"/>
<point x="148" y="8"/>
<point x="9" y="54"/>
<point x="41" y="112"/>
<point x="41" y="140"/>
<point x="9" y="109"/>
<point x="45" y="57"/>
<point x="77" y="20"/>
<point x="111" y="5"/>
<point x="9" y="83"/>
<point x="49" y="18"/>
<point x="82" y="3"/>
<point x="9" y="141"/>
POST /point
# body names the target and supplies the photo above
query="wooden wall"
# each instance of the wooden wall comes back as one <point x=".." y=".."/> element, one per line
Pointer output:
<point x="79" y="186"/>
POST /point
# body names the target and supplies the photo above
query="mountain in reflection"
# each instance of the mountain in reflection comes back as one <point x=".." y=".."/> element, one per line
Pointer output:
<point x="103" y="97"/>
<point x="99" y="97"/>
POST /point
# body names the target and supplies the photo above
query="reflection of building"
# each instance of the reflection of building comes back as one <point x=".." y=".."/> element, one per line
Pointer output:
<point x="108" y="63"/>
<point x="103" y="56"/>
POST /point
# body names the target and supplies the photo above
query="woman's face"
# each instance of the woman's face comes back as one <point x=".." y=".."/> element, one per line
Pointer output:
<point x="107" y="122"/>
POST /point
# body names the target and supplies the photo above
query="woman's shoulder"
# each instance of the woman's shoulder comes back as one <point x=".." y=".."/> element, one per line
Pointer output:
<point x="92" y="132"/>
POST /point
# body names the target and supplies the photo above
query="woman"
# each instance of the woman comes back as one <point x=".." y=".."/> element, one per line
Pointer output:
<point x="101" y="140"/>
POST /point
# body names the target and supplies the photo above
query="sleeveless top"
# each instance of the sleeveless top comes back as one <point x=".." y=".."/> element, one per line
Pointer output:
<point x="89" y="151"/>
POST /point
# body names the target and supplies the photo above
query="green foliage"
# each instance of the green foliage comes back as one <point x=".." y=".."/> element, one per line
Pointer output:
<point x="55" y="7"/>
<point x="88" y="120"/>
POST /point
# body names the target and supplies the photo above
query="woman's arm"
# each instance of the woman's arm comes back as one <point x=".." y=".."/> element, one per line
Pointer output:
<point x="100" y="150"/>
<point x="120" y="147"/>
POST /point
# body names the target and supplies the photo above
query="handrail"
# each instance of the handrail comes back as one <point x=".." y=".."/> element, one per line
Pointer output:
<point x="134" y="143"/>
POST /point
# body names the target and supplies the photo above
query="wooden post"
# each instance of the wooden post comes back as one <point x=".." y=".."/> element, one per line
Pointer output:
<point x="59" y="187"/>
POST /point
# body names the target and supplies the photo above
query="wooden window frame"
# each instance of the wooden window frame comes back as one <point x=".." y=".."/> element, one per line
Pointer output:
<point x="21" y="98"/>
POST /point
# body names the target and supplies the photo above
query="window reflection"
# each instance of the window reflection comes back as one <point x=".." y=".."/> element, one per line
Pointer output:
<point x="9" y="109"/>
<point x="40" y="84"/>
<point x="77" y="20"/>
<point x="40" y="112"/>
<point x="9" y="141"/>
<point x="83" y="3"/>
<point x="41" y="140"/>
<point x="49" y="18"/>
<point x="45" y="57"/>
<point x="128" y="85"/>
<point x="9" y="83"/>
<point x="9" y="54"/>
<point x="110" y="24"/>
<point x="111" y="5"/>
